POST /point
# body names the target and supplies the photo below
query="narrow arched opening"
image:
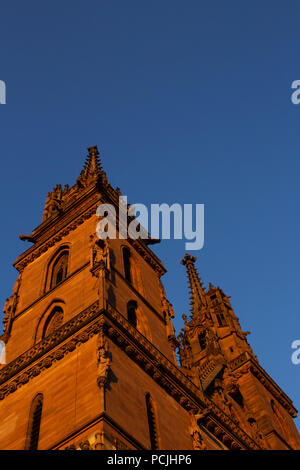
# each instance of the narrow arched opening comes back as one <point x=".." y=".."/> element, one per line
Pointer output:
<point x="131" y="313"/>
<point x="34" y="424"/>
<point x="152" y="423"/>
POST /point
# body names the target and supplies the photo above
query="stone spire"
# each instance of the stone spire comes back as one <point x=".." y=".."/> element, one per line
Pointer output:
<point x="197" y="293"/>
<point x="92" y="167"/>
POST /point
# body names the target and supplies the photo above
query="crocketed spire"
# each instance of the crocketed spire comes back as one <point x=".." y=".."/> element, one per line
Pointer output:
<point x="198" y="298"/>
<point x="92" y="166"/>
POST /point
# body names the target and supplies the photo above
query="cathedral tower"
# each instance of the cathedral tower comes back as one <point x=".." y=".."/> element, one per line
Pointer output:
<point x="215" y="351"/>
<point x="90" y="345"/>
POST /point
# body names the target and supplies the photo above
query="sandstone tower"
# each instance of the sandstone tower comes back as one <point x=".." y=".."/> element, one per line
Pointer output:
<point x="90" y="346"/>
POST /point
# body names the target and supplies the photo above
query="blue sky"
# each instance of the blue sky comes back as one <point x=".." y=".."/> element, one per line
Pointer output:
<point x="188" y="102"/>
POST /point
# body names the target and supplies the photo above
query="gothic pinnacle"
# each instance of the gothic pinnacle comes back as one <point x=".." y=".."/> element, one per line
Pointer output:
<point x="198" y="298"/>
<point x="92" y="167"/>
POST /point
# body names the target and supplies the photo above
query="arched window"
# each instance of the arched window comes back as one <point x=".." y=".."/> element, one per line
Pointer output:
<point x="221" y="319"/>
<point x="54" y="321"/>
<point x="34" y="423"/>
<point x="126" y="262"/>
<point x="152" y="423"/>
<point x="202" y="340"/>
<point x="59" y="269"/>
<point x="131" y="313"/>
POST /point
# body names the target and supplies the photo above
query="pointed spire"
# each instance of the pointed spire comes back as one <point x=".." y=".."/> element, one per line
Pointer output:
<point x="92" y="166"/>
<point x="198" y="298"/>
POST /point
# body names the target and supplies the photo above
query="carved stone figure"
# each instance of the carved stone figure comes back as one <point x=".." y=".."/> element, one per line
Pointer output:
<point x="99" y="252"/>
<point x="220" y="397"/>
<point x="103" y="368"/>
<point x="103" y="361"/>
<point x="213" y="347"/>
<point x="99" y="440"/>
<point x="195" y="432"/>
<point x="230" y="382"/>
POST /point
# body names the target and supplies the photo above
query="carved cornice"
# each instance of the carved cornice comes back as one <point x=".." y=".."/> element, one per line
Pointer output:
<point x="88" y="323"/>
<point x="247" y="364"/>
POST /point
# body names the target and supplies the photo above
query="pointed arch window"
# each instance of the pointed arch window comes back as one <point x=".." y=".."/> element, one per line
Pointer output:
<point x="152" y="423"/>
<point x="202" y="340"/>
<point x="221" y="319"/>
<point x="59" y="269"/>
<point x="131" y="313"/>
<point x="127" y="263"/>
<point x="34" y="424"/>
<point x="54" y="321"/>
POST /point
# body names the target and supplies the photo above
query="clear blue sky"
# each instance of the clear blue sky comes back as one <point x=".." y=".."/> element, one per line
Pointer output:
<point x="189" y="102"/>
